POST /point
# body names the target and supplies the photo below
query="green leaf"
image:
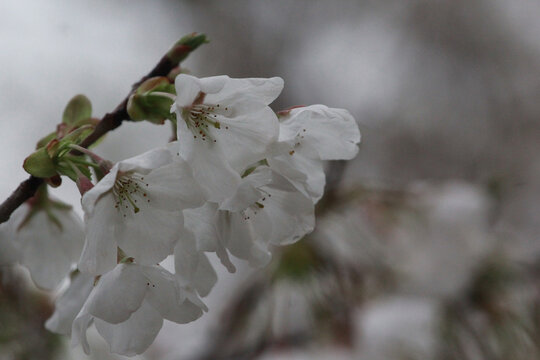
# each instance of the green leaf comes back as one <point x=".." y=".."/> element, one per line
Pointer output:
<point x="45" y="140"/>
<point x="78" y="108"/>
<point x="40" y="164"/>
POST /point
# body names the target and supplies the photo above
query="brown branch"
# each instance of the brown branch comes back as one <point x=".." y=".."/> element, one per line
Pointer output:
<point x="24" y="191"/>
<point x="110" y="121"/>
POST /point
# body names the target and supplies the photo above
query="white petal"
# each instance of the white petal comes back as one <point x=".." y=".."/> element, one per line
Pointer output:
<point x="241" y="240"/>
<point x="91" y="197"/>
<point x="118" y="294"/>
<point x="188" y="87"/>
<point x="248" y="191"/>
<point x="210" y="168"/>
<point x="202" y="223"/>
<point x="70" y="303"/>
<point x="191" y="298"/>
<point x="149" y="235"/>
<point x="290" y="212"/>
<point x="324" y="133"/>
<point x="186" y="259"/>
<point x="163" y="295"/>
<point x="147" y="161"/>
<point x="213" y="84"/>
<point x="99" y="251"/>
<point x="134" y="335"/>
<point x="247" y="138"/>
<point x="306" y="174"/>
<point x="192" y="268"/>
<point x="261" y="89"/>
<point x="223" y="256"/>
<point x="172" y="187"/>
<point x="79" y="328"/>
<point x="205" y="276"/>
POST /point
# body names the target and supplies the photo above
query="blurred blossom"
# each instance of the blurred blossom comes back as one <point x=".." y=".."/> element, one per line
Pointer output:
<point x="398" y="328"/>
<point x="314" y="353"/>
<point x="293" y="315"/>
<point x="437" y="244"/>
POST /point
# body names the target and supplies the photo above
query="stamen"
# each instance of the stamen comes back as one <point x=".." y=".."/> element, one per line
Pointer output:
<point x="254" y="209"/>
<point x="126" y="190"/>
<point x="200" y="118"/>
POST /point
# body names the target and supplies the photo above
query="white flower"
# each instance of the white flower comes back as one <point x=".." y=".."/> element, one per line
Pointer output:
<point x="309" y="135"/>
<point x="266" y="209"/>
<point x="224" y="126"/>
<point x="137" y="207"/>
<point x="45" y="236"/>
<point x="128" y="306"/>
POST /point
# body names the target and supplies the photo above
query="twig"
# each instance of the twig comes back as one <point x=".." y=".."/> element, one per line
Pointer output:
<point x="110" y="121"/>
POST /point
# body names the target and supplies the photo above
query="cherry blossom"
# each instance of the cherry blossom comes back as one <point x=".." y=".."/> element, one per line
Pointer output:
<point x="266" y="209"/>
<point x="128" y="306"/>
<point x="137" y="207"/>
<point x="309" y="135"/>
<point x="224" y="126"/>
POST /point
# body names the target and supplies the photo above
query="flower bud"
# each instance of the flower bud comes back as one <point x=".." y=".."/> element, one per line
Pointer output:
<point x="184" y="46"/>
<point x="152" y="101"/>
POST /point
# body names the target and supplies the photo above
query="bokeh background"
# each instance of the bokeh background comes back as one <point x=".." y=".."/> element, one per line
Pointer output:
<point x="427" y="244"/>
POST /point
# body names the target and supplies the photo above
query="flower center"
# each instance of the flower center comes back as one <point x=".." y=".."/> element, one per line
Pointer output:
<point x="129" y="190"/>
<point x="297" y="141"/>
<point x="201" y="117"/>
<point x="254" y="208"/>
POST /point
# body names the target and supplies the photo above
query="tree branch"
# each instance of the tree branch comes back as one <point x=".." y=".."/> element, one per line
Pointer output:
<point x="110" y="121"/>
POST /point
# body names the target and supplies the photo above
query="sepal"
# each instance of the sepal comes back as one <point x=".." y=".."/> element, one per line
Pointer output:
<point x="40" y="164"/>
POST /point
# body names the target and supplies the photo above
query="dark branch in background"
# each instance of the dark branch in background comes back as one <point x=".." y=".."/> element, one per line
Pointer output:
<point x="110" y="121"/>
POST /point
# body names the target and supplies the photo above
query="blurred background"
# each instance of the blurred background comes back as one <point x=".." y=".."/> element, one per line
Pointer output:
<point x="426" y="244"/>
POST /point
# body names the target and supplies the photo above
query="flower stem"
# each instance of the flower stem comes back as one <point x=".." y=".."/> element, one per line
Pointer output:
<point x="103" y="164"/>
<point x="86" y="151"/>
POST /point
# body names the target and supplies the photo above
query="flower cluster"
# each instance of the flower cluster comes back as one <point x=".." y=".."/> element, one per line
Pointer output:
<point x="239" y="180"/>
